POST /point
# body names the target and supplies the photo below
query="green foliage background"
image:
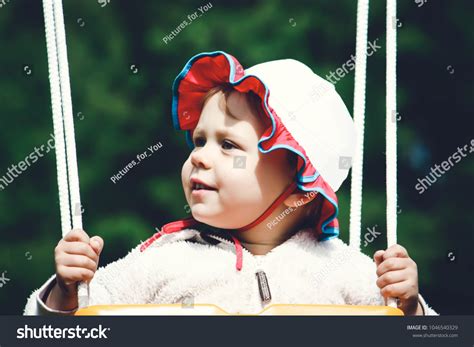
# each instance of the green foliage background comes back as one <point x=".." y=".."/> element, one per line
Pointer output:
<point x="119" y="114"/>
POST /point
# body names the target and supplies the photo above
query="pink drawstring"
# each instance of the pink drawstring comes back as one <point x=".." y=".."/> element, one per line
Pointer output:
<point x="238" y="247"/>
<point x="286" y="193"/>
<point x="238" y="251"/>
<point x="169" y="229"/>
<point x="189" y="222"/>
<point x="186" y="223"/>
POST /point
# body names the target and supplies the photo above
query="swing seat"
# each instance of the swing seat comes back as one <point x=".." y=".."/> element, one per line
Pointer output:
<point x="213" y="310"/>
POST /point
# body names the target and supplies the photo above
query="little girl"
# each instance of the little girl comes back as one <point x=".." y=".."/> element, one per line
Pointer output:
<point x="270" y="147"/>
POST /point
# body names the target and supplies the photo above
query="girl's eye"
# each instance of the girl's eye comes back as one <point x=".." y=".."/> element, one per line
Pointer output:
<point x="199" y="141"/>
<point x="228" y="145"/>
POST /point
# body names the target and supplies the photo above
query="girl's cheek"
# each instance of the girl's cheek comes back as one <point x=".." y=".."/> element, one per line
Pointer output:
<point x="185" y="171"/>
<point x="239" y="173"/>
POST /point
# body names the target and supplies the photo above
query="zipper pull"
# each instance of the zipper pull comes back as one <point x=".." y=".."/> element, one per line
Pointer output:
<point x="263" y="287"/>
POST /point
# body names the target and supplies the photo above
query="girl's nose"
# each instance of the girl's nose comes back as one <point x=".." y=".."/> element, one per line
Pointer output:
<point x="200" y="158"/>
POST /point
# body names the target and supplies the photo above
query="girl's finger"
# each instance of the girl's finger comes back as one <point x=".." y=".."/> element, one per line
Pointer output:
<point x="80" y="248"/>
<point x="71" y="275"/>
<point x="378" y="257"/>
<point x="77" y="235"/>
<point x="97" y="244"/>
<point x="395" y="251"/>
<point x="80" y="261"/>
<point x="391" y="277"/>
<point x="396" y="290"/>
<point x="392" y="264"/>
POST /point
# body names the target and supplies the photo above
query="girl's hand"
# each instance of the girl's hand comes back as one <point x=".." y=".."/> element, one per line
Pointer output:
<point x="398" y="278"/>
<point x="77" y="258"/>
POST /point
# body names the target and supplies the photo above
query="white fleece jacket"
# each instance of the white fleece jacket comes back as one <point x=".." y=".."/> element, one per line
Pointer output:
<point x="185" y="264"/>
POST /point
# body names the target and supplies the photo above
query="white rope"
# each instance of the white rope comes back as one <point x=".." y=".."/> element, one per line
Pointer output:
<point x="359" y="115"/>
<point x="359" y="120"/>
<point x="68" y="117"/>
<point x="57" y="117"/>
<point x="391" y="127"/>
<point x="63" y="125"/>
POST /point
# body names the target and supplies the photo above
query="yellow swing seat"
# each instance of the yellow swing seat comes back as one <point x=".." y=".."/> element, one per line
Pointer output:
<point x="213" y="310"/>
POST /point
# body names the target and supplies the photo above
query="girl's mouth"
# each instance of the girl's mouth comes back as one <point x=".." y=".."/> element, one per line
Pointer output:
<point x="199" y="190"/>
<point x="198" y="185"/>
<point x="199" y="193"/>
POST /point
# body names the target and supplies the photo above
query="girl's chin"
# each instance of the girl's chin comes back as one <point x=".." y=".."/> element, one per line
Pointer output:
<point x="201" y="214"/>
<point x="215" y="221"/>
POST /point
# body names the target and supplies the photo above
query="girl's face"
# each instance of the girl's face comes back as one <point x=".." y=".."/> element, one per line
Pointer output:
<point x="227" y="182"/>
